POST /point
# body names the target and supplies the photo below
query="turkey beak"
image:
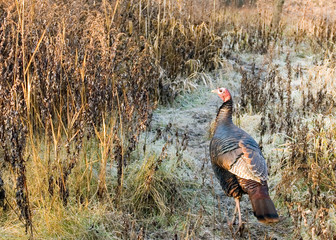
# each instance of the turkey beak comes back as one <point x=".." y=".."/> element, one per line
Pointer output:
<point x="214" y="91"/>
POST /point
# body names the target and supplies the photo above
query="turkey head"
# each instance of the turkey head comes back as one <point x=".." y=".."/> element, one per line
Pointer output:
<point x="223" y="93"/>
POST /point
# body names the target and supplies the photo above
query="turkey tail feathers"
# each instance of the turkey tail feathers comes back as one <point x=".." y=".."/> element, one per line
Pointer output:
<point x="263" y="207"/>
<point x="264" y="210"/>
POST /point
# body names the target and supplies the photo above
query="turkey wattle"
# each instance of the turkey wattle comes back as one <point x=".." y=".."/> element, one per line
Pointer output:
<point x="239" y="164"/>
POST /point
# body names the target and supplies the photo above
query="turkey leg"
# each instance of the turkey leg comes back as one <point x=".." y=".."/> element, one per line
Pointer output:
<point x="234" y="216"/>
<point x="237" y="209"/>
<point x="237" y="200"/>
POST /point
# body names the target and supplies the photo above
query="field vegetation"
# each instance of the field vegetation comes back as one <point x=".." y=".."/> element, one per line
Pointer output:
<point x="106" y="116"/>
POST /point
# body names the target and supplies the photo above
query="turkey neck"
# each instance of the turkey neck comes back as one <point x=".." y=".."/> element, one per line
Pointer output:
<point x="224" y="115"/>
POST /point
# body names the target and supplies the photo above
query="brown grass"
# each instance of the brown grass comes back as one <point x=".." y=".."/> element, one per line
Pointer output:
<point x="80" y="81"/>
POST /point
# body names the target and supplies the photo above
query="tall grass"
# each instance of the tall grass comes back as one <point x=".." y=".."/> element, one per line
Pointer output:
<point x="80" y="81"/>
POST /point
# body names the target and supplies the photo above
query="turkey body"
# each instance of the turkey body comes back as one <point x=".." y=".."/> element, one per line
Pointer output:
<point x="239" y="164"/>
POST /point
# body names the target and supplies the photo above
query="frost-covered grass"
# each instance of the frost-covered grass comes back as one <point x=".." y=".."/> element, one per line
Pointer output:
<point x="88" y="152"/>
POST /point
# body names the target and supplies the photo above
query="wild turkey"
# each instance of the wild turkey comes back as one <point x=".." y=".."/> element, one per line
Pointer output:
<point x="239" y="164"/>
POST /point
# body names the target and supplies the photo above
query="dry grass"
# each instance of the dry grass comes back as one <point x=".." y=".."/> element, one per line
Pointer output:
<point x="80" y="81"/>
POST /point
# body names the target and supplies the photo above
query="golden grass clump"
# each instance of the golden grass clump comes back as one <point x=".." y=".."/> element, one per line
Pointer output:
<point x="154" y="187"/>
